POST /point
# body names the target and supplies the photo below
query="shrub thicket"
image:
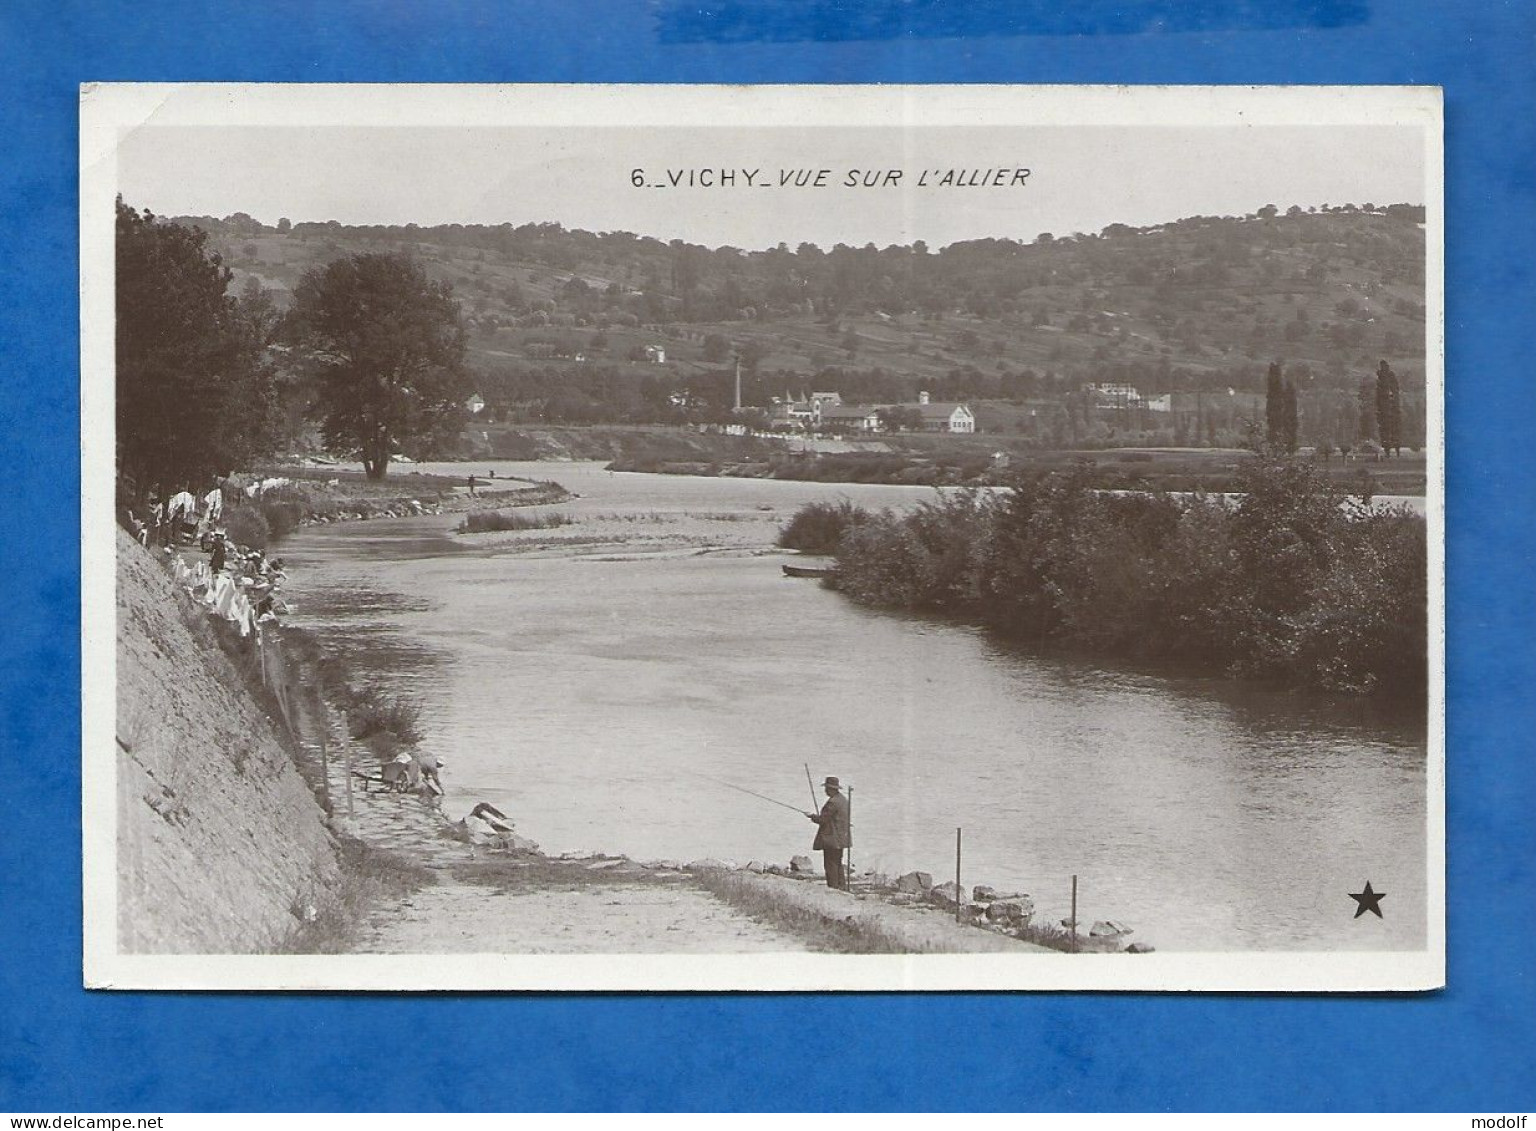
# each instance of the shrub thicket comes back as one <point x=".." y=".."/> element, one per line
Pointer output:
<point x="817" y="528"/>
<point x="479" y="522"/>
<point x="1290" y="580"/>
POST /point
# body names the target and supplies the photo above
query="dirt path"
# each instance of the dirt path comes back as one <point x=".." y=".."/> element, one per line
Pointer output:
<point x="487" y="901"/>
<point x="657" y="918"/>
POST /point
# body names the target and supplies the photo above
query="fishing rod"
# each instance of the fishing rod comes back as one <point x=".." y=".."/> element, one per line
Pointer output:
<point x="812" y="784"/>
<point x="752" y="793"/>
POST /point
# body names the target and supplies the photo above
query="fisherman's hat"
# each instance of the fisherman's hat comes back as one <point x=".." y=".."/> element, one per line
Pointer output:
<point x="832" y="783"/>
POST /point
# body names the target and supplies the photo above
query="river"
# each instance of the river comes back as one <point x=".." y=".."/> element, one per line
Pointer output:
<point x="599" y="693"/>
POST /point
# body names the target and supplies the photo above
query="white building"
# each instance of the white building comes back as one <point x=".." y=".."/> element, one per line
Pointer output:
<point x="938" y="417"/>
<point x="1114" y="396"/>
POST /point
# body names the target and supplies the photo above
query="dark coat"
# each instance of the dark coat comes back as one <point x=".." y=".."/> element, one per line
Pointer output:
<point x="833" y="821"/>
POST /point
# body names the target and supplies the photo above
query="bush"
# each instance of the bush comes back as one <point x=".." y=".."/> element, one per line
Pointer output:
<point x="283" y="516"/>
<point x="383" y="721"/>
<point x="247" y="526"/>
<point x="818" y="528"/>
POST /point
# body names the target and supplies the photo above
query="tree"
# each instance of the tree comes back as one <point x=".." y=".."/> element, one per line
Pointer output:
<point x="1274" y="406"/>
<point x="900" y="418"/>
<point x="751" y="354"/>
<point x="194" y="398"/>
<point x="1289" y="423"/>
<point x="1389" y="410"/>
<point x="389" y="345"/>
<point x="717" y="347"/>
<point x="1366" y="400"/>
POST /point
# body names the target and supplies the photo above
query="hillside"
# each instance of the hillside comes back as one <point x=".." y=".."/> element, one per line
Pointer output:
<point x="560" y="320"/>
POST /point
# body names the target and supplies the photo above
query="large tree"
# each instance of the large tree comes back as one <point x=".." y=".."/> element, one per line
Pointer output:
<point x="389" y="344"/>
<point x="194" y="398"/>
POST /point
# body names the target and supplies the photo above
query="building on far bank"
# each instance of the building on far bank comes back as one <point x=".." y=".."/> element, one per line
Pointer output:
<point x="945" y="416"/>
<point x="850" y="417"/>
<point x="475" y="405"/>
<point x="827" y="412"/>
<point x="1106" y="395"/>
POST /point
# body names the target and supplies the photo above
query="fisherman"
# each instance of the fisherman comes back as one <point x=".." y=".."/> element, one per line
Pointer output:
<point x="833" y="835"/>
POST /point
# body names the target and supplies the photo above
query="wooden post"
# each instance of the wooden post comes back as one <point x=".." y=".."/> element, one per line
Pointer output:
<point x="325" y="770"/>
<point x="1074" y="914"/>
<point x="347" y="755"/>
<point x="958" y="888"/>
<point x="848" y="861"/>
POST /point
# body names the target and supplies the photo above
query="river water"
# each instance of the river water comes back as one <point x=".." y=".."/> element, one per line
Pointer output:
<point x="601" y="693"/>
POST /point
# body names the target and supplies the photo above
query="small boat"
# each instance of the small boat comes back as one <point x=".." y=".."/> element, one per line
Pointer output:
<point x="809" y="571"/>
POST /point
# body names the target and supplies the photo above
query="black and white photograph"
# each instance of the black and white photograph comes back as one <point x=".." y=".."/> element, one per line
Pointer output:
<point x="762" y="538"/>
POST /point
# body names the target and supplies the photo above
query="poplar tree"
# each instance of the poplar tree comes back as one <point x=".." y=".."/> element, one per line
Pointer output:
<point x="1274" y="406"/>
<point x="1389" y="410"/>
<point x="1288" y="417"/>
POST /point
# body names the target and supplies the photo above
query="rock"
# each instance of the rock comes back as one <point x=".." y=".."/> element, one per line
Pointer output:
<point x="802" y="866"/>
<point x="1108" y="929"/>
<point x="914" y="883"/>
<point x="755" y="866"/>
<point x="669" y="865"/>
<point x="947" y="895"/>
<point x="983" y="893"/>
<point x="776" y="870"/>
<point x="1011" y="910"/>
<point x="1140" y="948"/>
<point x="708" y="864"/>
<point x="878" y="880"/>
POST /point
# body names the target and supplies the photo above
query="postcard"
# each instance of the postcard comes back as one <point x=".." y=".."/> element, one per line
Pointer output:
<point x="762" y="538"/>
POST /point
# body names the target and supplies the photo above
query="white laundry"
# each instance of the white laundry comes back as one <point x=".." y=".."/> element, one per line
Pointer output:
<point x="224" y="594"/>
<point x="184" y="503"/>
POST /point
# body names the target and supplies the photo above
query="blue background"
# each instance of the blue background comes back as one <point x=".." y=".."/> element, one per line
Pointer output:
<point x="1469" y="1047"/>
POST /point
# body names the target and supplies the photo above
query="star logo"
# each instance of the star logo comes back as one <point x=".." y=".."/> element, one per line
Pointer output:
<point x="1368" y="900"/>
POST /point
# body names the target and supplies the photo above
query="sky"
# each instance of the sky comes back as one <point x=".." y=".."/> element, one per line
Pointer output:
<point x="1080" y="178"/>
